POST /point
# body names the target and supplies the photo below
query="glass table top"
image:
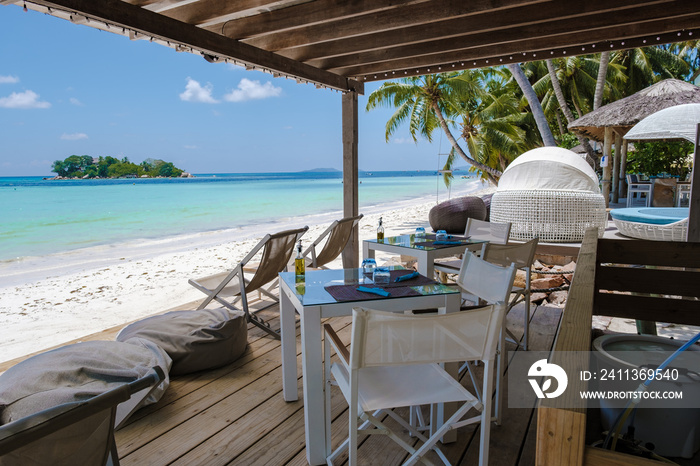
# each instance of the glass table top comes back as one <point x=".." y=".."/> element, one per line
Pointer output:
<point x="423" y="242"/>
<point x="311" y="290"/>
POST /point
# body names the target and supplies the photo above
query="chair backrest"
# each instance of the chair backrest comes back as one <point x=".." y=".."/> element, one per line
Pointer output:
<point x="338" y="233"/>
<point x="522" y="255"/>
<point x="497" y="233"/>
<point x="488" y="281"/>
<point x="387" y="338"/>
<point x="632" y="178"/>
<point x="277" y="250"/>
<point x="80" y="432"/>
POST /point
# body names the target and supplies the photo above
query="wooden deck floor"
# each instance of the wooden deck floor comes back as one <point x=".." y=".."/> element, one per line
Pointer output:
<point x="236" y="414"/>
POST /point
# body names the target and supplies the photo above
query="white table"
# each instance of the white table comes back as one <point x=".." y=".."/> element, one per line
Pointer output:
<point x="414" y="246"/>
<point x="315" y="304"/>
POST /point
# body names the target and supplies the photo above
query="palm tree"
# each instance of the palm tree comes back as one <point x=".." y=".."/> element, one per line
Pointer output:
<point x="648" y="65"/>
<point x="426" y="103"/>
<point x="535" y="105"/>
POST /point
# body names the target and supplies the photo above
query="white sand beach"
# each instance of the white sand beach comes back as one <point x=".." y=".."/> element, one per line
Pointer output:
<point x="48" y="301"/>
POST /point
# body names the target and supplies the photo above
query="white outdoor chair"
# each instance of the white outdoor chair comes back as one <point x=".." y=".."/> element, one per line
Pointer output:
<point x="522" y="255"/>
<point x="494" y="233"/>
<point x="491" y="283"/>
<point x="276" y="251"/>
<point x="338" y="234"/>
<point x="394" y="362"/>
<point x="636" y="188"/>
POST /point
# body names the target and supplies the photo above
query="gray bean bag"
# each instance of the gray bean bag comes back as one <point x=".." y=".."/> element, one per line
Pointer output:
<point x="452" y="215"/>
<point x="77" y="372"/>
<point x="195" y="340"/>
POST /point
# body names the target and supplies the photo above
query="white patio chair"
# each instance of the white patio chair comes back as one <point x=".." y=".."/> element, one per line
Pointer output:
<point x="522" y="255"/>
<point x="338" y="235"/>
<point x="276" y="252"/>
<point x="493" y="284"/>
<point x="394" y="362"/>
<point x="494" y="233"/>
<point x="636" y="188"/>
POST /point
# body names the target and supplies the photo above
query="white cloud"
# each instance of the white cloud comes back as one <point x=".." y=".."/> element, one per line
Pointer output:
<point x="74" y="136"/>
<point x="194" y="92"/>
<point x="26" y="99"/>
<point x="249" y="90"/>
<point x="9" y="79"/>
<point x="402" y="141"/>
<point x="76" y="102"/>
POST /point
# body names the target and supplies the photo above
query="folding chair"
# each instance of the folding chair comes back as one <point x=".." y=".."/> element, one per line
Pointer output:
<point x="522" y="255"/>
<point x="80" y="432"/>
<point x="338" y="234"/>
<point x="394" y="362"/>
<point x="494" y="233"/>
<point x="493" y="284"/>
<point x="276" y="252"/>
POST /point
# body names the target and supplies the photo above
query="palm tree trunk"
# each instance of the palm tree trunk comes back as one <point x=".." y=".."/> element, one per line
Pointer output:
<point x="535" y="105"/>
<point x="565" y="108"/>
<point x="600" y="82"/>
<point x="491" y="173"/>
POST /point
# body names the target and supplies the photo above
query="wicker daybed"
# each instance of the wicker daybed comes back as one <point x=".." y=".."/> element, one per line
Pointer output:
<point x="652" y="223"/>
<point x="551" y="193"/>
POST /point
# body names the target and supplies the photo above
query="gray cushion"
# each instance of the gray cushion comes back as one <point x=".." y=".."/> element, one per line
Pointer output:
<point x="452" y="215"/>
<point x="195" y="340"/>
<point x="76" y="373"/>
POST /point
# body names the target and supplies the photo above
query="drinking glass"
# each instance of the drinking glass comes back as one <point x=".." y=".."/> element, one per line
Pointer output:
<point x="368" y="266"/>
<point x="381" y="276"/>
<point x="441" y="235"/>
<point x="420" y="231"/>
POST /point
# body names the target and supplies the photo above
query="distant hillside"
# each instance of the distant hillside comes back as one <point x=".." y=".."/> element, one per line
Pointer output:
<point x="322" y="170"/>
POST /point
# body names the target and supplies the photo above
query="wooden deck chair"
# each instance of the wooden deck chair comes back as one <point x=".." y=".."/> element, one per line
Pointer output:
<point x="522" y="255"/>
<point x="276" y="252"/>
<point x="338" y="234"/>
<point x="76" y="433"/>
<point x="395" y="361"/>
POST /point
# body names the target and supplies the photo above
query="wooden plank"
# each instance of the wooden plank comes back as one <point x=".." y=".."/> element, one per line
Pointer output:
<point x="678" y="311"/>
<point x="462" y="32"/>
<point x="561" y="422"/>
<point x="600" y="457"/>
<point x="657" y="253"/>
<point x="122" y="14"/>
<point x="649" y="281"/>
<point x="520" y="43"/>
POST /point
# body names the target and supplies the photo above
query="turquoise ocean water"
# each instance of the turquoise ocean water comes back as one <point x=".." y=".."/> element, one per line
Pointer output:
<point x="42" y="217"/>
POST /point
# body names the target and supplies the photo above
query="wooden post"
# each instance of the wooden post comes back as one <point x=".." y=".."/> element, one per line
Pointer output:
<point x="616" y="168"/>
<point x="623" y="169"/>
<point x="694" y="217"/>
<point x="350" y="175"/>
<point x="607" y="171"/>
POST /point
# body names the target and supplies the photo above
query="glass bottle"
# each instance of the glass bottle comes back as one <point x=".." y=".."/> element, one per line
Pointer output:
<point x="380" y="230"/>
<point x="299" y="264"/>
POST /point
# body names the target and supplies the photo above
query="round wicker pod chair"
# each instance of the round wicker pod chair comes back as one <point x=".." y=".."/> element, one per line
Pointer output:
<point x="452" y="215"/>
<point x="551" y="193"/>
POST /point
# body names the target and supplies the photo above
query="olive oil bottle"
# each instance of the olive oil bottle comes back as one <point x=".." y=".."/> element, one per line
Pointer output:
<point x="380" y="230"/>
<point x="299" y="263"/>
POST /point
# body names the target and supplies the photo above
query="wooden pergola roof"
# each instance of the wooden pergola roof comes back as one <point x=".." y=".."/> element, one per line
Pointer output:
<point x="342" y="44"/>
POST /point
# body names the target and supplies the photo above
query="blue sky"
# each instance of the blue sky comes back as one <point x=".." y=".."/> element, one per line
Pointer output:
<point x="69" y="89"/>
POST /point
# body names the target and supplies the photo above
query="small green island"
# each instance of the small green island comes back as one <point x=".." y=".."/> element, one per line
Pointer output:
<point x="86" y="167"/>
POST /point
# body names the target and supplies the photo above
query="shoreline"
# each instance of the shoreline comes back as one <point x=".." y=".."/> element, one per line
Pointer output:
<point x="48" y="300"/>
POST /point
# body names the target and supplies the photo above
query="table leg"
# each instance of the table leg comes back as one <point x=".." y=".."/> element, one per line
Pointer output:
<point x="426" y="266"/>
<point x="289" y="348"/>
<point x="314" y="399"/>
<point x="367" y="253"/>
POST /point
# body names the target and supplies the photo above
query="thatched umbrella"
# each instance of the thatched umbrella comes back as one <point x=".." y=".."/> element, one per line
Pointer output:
<point x="618" y="117"/>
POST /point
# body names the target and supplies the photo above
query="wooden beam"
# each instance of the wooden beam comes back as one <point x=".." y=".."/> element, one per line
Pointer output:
<point x="128" y="16"/>
<point x="351" y="203"/>
<point x="543" y="38"/>
<point x="460" y="28"/>
<point x="417" y="15"/>
<point x="300" y="15"/>
<point x="561" y="422"/>
<point x="213" y="13"/>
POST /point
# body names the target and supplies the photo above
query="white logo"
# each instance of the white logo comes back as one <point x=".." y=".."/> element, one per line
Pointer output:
<point x="542" y="368"/>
